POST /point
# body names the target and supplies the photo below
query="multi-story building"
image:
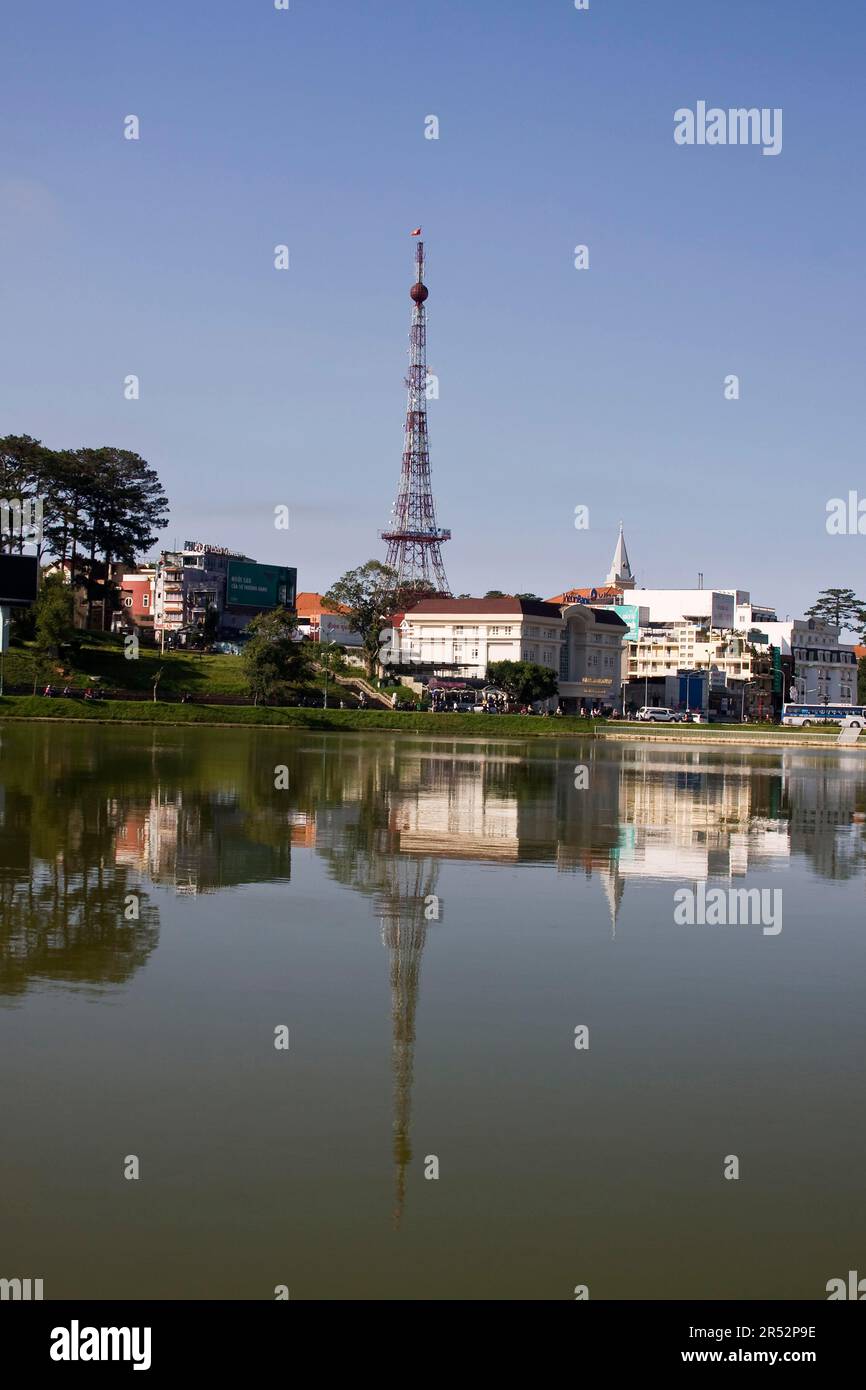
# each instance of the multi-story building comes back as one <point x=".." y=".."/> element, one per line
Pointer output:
<point x="824" y="668"/>
<point x="137" y="598"/>
<point x="462" y="637"/>
<point x="168" y="615"/>
<point x="748" y="615"/>
<point x="177" y="591"/>
<point x="194" y="581"/>
<point x="188" y="583"/>
<point x="701" y="608"/>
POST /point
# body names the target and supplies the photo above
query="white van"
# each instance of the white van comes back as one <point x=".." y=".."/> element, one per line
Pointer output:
<point x="658" y="714"/>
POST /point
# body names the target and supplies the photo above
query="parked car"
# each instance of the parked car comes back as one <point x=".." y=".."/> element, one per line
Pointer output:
<point x="658" y="714"/>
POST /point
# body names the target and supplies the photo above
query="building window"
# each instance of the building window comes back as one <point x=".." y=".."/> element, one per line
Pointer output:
<point x="145" y="600"/>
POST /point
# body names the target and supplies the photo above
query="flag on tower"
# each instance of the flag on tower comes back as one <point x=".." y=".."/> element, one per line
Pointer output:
<point x="417" y="232"/>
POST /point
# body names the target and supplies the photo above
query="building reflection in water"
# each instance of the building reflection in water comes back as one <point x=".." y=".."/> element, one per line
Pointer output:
<point x="79" y="835"/>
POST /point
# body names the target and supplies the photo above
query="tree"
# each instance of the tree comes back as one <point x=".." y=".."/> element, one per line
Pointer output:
<point x="27" y="476"/>
<point x="841" y="607"/>
<point x="524" y="681"/>
<point x="74" y="488"/>
<point x="272" y="658"/>
<point x="412" y="593"/>
<point x="54" y="615"/>
<point x="366" y="596"/>
<point x="329" y="660"/>
<point x="127" y="509"/>
<point x="495" y="593"/>
<point x="534" y="598"/>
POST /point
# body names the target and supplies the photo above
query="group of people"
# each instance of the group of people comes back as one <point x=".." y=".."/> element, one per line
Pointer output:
<point x="70" y="693"/>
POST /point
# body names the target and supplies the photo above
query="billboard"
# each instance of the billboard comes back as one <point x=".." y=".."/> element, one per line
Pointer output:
<point x="630" y="614"/>
<point x="721" y="609"/>
<point x="19" y="580"/>
<point x="249" y="585"/>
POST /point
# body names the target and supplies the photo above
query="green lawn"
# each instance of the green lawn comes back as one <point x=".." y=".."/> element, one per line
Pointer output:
<point x="104" y="658"/>
<point x="36" y="707"/>
<point x="468" y="725"/>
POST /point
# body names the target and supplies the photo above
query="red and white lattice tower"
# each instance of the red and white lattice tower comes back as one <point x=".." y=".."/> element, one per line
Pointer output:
<point x="414" y="539"/>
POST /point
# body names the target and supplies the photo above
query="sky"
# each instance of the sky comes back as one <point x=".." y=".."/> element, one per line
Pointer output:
<point x="558" y="387"/>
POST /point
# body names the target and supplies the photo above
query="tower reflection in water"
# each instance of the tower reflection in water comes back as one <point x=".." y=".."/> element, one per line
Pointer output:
<point x="86" y="825"/>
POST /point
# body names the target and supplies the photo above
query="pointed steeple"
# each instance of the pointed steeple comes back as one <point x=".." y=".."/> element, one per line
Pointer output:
<point x="620" y="570"/>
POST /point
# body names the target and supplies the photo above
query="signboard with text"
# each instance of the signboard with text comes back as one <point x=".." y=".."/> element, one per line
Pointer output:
<point x="249" y="585"/>
<point x="630" y="614"/>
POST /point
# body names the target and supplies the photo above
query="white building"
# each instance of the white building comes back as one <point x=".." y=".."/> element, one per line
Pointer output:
<point x="824" y="668"/>
<point x="461" y="637"/>
<point x="748" y="615"/>
<point x="704" y="608"/>
<point x="665" y="649"/>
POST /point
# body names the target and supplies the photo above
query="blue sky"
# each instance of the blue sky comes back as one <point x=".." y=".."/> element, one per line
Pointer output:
<point x="558" y="387"/>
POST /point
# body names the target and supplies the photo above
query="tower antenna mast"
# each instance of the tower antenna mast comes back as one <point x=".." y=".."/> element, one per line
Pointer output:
<point x="414" y="539"/>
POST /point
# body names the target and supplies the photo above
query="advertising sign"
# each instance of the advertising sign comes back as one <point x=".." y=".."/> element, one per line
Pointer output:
<point x="630" y="614"/>
<point x="249" y="585"/>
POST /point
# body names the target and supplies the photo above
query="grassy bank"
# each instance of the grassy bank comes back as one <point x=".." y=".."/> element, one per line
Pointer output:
<point x="101" y="658"/>
<point x="468" y="725"/>
<point x="145" y="712"/>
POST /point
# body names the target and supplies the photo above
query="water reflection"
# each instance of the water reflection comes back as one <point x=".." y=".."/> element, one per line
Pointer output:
<point x="90" y="816"/>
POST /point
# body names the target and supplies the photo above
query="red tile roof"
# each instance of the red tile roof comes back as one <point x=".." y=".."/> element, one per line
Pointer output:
<point x="310" y="605"/>
<point x="602" y="591"/>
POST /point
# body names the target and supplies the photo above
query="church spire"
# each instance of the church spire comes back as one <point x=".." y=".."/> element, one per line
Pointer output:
<point x="620" y="570"/>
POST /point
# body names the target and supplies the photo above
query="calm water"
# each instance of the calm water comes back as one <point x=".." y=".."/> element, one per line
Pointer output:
<point x="411" y="1036"/>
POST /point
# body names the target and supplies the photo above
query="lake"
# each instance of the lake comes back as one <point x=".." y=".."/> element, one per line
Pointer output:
<point x="510" y="1069"/>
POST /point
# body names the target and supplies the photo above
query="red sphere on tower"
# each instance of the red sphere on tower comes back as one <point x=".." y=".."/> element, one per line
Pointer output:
<point x="419" y="293"/>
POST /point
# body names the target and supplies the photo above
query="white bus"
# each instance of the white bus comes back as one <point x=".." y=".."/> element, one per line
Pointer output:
<point x="804" y="715"/>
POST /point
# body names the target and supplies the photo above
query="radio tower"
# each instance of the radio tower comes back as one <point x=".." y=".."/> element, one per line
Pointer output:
<point x="414" y="539"/>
